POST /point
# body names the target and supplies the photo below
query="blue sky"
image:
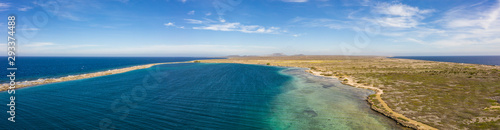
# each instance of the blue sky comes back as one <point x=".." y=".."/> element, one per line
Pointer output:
<point x="253" y="27"/>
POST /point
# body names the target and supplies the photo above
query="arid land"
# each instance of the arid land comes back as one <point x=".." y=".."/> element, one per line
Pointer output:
<point x="417" y="94"/>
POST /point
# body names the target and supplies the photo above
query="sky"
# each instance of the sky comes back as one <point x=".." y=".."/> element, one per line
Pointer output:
<point x="252" y="27"/>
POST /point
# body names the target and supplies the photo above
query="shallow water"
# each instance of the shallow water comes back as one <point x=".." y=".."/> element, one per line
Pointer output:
<point x="316" y="102"/>
<point x="196" y="96"/>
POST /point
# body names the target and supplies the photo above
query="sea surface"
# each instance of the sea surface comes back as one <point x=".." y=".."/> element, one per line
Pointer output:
<point x="33" y="68"/>
<point x="196" y="96"/>
<point x="485" y="60"/>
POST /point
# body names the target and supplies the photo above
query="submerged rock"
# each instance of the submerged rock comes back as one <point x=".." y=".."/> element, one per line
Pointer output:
<point x="310" y="113"/>
<point x="327" y="85"/>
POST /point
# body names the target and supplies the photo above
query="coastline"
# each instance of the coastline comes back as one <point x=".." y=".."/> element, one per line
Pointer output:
<point x="23" y="84"/>
<point x="384" y="109"/>
<point x="342" y="68"/>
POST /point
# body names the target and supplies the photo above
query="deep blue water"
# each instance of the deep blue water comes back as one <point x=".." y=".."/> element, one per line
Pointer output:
<point x="485" y="60"/>
<point x="32" y="68"/>
<point x="181" y="96"/>
<point x="196" y="96"/>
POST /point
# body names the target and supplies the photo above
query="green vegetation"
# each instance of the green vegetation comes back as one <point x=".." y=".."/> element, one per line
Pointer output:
<point x="375" y="101"/>
<point x="403" y="119"/>
<point x="485" y="125"/>
<point x="326" y="74"/>
<point x="197" y="61"/>
<point x="268" y="63"/>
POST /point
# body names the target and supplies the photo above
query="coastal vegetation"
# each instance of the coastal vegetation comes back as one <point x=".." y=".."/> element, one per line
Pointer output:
<point x="442" y="95"/>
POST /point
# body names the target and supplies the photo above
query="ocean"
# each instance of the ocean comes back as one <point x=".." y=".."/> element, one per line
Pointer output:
<point x="485" y="60"/>
<point x="33" y="68"/>
<point x="195" y="96"/>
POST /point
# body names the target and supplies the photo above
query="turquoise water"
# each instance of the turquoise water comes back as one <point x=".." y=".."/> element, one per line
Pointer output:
<point x="196" y="96"/>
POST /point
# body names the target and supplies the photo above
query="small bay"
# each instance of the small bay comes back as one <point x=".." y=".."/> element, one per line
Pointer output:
<point x="197" y="96"/>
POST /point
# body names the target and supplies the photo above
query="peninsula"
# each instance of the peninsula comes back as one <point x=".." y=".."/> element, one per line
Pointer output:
<point x="417" y="94"/>
<point x="22" y="84"/>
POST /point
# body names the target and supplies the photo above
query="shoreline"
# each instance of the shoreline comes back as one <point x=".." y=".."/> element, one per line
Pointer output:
<point x="23" y="84"/>
<point x="384" y="110"/>
<point x="375" y="101"/>
<point x="411" y="124"/>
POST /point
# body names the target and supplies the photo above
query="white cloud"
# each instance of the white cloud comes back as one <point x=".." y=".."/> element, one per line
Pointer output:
<point x="191" y="12"/>
<point x="40" y="44"/>
<point x="240" y="28"/>
<point x="475" y="24"/>
<point x="4" y="6"/>
<point x="194" y="21"/>
<point x="183" y="1"/>
<point x="151" y="50"/>
<point x="110" y="26"/>
<point x="399" y="15"/>
<point x="472" y="17"/>
<point x="297" y="35"/>
<point x="67" y="9"/>
<point x="24" y="8"/>
<point x="399" y="10"/>
<point x="169" y="24"/>
<point x="70" y="16"/>
<point x="47" y="48"/>
<point x="402" y="22"/>
<point x="220" y="27"/>
<point x="208" y="14"/>
<point x="49" y="45"/>
<point x="297" y="1"/>
<point x="322" y="22"/>
<point x="29" y="29"/>
<point x="76" y="10"/>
